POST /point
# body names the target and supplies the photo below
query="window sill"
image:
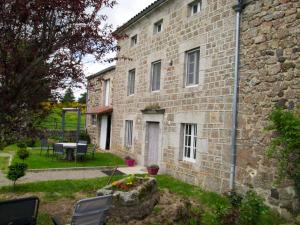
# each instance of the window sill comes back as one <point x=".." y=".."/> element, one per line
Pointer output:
<point x="130" y="95"/>
<point x="155" y="91"/>
<point x="192" y="86"/>
<point x="188" y="161"/>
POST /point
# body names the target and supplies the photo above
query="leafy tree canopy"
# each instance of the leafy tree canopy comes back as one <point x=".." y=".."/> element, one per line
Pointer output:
<point x="41" y="50"/>
<point x="69" y="96"/>
<point x="82" y="98"/>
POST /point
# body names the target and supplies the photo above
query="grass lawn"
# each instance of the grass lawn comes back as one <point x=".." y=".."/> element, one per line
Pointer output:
<point x="57" y="190"/>
<point x="4" y="163"/>
<point x="53" y="121"/>
<point x="37" y="161"/>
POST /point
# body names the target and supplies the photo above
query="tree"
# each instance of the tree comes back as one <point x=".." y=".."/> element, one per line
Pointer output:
<point x="16" y="171"/>
<point x="69" y="96"/>
<point x="82" y="98"/>
<point x="41" y="50"/>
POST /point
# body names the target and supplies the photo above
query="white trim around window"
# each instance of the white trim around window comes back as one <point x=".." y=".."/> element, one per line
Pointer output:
<point x="155" y="76"/>
<point x="128" y="133"/>
<point x="131" y="82"/>
<point x="189" y="142"/>
<point x="192" y="66"/>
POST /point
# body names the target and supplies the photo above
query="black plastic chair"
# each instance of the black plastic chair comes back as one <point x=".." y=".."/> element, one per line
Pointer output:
<point x="19" y="211"/>
<point x="58" y="149"/>
<point x="81" y="151"/>
<point x="90" y="211"/>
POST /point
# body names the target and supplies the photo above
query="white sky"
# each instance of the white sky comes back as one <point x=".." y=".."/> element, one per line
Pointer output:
<point x="120" y="14"/>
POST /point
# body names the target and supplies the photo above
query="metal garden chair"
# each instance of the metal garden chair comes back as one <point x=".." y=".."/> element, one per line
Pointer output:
<point x="90" y="211"/>
<point x="58" y="149"/>
<point x="19" y="211"/>
<point x="81" y="151"/>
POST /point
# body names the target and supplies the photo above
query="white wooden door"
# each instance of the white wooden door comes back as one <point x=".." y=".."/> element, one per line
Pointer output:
<point x="103" y="132"/>
<point x="152" y="142"/>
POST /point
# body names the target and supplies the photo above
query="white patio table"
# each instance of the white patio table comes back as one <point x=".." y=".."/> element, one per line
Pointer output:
<point x="70" y="148"/>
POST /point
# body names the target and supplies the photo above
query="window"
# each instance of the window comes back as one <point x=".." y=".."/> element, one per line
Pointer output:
<point x="195" y="7"/>
<point x="192" y="67"/>
<point x="158" y="26"/>
<point x="128" y="133"/>
<point x="106" y="92"/>
<point x="133" y="40"/>
<point x="155" y="76"/>
<point x="94" y="120"/>
<point x="189" y="142"/>
<point x="131" y="82"/>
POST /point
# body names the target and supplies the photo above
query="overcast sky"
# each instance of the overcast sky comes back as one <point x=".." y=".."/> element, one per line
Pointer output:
<point x="120" y="14"/>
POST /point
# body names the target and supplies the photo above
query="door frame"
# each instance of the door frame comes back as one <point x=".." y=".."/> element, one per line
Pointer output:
<point x="156" y="118"/>
<point x="107" y="129"/>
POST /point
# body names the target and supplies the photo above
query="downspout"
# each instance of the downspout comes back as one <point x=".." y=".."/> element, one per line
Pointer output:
<point x="238" y="9"/>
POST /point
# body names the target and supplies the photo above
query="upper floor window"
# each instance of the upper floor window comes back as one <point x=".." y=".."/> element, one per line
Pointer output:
<point x="133" y="40"/>
<point x="158" y="26"/>
<point x="94" y="120"/>
<point x="155" y="75"/>
<point x="192" y="67"/>
<point x="189" y="142"/>
<point x="106" y="92"/>
<point x="128" y="133"/>
<point x="131" y="82"/>
<point x="195" y="7"/>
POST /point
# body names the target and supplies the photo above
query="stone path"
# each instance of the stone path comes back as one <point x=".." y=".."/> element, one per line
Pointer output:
<point x="68" y="174"/>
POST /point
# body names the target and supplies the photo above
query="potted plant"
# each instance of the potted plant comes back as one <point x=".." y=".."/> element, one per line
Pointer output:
<point x="153" y="169"/>
<point x="129" y="161"/>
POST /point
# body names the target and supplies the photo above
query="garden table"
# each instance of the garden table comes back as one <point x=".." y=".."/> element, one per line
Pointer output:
<point x="70" y="148"/>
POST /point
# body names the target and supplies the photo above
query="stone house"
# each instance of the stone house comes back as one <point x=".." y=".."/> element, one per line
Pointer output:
<point x="173" y="101"/>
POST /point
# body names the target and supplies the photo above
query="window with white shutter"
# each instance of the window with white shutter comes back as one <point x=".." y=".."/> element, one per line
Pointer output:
<point x="131" y="82"/>
<point x="189" y="142"/>
<point x="192" y="67"/>
<point x="128" y="133"/>
<point x="155" y="76"/>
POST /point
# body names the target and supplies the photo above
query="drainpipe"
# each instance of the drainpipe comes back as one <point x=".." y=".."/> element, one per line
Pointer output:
<point x="238" y="8"/>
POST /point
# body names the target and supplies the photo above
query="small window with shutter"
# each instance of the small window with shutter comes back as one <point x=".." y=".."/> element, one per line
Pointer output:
<point x="192" y="67"/>
<point x="131" y="82"/>
<point x="155" y="75"/>
<point x="128" y="133"/>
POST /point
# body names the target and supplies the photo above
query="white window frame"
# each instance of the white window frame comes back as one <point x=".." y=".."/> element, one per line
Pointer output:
<point x="94" y="119"/>
<point x="189" y="142"/>
<point x="106" y="92"/>
<point x="192" y="5"/>
<point x="153" y="79"/>
<point x="196" y="67"/>
<point x="131" y="82"/>
<point x="158" y="27"/>
<point x="133" y="40"/>
<point x="128" y="137"/>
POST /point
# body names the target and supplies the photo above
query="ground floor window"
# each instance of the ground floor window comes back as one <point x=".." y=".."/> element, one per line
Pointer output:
<point x="128" y="133"/>
<point x="94" y="120"/>
<point x="189" y="142"/>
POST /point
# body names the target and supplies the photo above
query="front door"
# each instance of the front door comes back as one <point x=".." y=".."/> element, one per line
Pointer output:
<point x="152" y="141"/>
<point x="103" y="131"/>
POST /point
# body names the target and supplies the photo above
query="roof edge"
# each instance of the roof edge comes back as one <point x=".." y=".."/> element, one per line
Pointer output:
<point x="101" y="72"/>
<point x="138" y="16"/>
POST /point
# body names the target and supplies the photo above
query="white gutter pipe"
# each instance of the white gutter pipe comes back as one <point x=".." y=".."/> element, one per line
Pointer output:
<point x="238" y="8"/>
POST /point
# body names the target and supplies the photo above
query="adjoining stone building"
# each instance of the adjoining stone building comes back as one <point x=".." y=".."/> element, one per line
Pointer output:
<point x="172" y="102"/>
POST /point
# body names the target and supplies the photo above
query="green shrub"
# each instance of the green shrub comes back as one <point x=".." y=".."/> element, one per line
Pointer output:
<point x="30" y="142"/>
<point x="21" y="145"/>
<point x="23" y="153"/>
<point x="285" y="144"/>
<point x="16" y="171"/>
<point x="251" y="208"/>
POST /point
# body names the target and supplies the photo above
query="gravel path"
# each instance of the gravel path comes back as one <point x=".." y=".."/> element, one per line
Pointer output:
<point x="54" y="175"/>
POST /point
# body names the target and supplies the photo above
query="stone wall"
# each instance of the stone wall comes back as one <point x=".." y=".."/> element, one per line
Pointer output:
<point x="270" y="75"/>
<point x="95" y="100"/>
<point x="207" y="104"/>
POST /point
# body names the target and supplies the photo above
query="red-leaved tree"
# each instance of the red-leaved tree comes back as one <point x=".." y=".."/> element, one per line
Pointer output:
<point x="42" y="44"/>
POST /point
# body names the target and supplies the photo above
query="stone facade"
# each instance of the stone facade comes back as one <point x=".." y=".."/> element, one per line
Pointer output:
<point x="95" y="101"/>
<point x="270" y="68"/>
<point x="270" y="75"/>
<point x="208" y="104"/>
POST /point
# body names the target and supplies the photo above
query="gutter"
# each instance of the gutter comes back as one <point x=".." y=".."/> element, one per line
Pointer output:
<point x="238" y="9"/>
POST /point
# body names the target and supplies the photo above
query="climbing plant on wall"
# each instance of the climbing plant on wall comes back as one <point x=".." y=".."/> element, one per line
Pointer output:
<point x="285" y="144"/>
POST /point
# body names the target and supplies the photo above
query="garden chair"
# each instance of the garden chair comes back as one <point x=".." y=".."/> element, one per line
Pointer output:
<point x="58" y="149"/>
<point x="82" y="142"/>
<point x="19" y="211"/>
<point x="90" y="211"/>
<point x="81" y="151"/>
<point x="45" y="146"/>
